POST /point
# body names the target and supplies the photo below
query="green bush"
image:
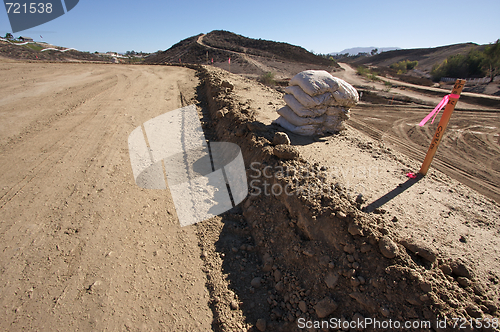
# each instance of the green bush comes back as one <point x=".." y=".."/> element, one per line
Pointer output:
<point x="362" y="71"/>
<point x="388" y="86"/>
<point x="373" y="77"/>
<point x="491" y="63"/>
<point x="367" y="73"/>
<point x="267" y="78"/>
<point x="410" y="65"/>
<point x="460" y="66"/>
<point x="403" y="66"/>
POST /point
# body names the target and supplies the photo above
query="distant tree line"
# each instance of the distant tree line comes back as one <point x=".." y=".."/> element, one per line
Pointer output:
<point x="133" y="53"/>
<point x="473" y="64"/>
<point x="9" y="36"/>
<point x="333" y="63"/>
<point x="340" y="56"/>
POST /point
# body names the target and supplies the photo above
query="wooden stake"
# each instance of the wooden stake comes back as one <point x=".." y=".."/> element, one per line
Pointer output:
<point x="443" y="123"/>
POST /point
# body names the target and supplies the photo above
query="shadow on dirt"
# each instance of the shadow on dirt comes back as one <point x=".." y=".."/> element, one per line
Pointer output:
<point x="392" y="194"/>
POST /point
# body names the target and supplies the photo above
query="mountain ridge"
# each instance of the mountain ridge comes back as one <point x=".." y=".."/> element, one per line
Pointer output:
<point x="357" y="50"/>
<point x="426" y="57"/>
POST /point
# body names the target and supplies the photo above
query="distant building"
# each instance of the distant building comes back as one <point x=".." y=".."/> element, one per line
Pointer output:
<point x="25" y="39"/>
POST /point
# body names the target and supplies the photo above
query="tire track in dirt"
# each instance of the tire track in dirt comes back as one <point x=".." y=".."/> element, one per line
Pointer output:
<point x="57" y="153"/>
<point x="84" y="247"/>
<point x="49" y="156"/>
<point x="460" y="149"/>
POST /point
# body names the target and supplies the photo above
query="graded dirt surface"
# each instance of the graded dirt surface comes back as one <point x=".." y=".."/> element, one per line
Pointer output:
<point x="470" y="149"/>
<point x="83" y="247"/>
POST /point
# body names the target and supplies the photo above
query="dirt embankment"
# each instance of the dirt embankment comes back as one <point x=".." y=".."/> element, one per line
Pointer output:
<point x="320" y="255"/>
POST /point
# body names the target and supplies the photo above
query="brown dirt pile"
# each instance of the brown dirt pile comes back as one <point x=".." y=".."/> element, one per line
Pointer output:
<point x="309" y="254"/>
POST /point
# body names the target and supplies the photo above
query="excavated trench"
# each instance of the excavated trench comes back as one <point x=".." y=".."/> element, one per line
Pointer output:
<point x="294" y="259"/>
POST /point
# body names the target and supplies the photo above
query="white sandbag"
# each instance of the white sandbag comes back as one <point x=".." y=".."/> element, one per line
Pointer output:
<point x="318" y="82"/>
<point x="315" y="82"/>
<point x="346" y="95"/>
<point x="332" y="110"/>
<point x="307" y="130"/>
<point x="300" y="109"/>
<point x="296" y="120"/>
<point x="332" y="128"/>
<point x="308" y="101"/>
<point x="334" y="119"/>
<point x="284" y="123"/>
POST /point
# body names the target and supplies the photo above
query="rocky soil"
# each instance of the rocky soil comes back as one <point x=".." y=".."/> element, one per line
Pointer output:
<point x="84" y="248"/>
<point x="291" y="253"/>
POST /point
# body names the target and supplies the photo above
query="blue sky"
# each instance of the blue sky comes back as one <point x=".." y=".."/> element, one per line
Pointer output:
<point x="321" y="26"/>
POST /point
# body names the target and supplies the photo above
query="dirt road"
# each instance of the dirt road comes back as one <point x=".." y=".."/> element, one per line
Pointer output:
<point x="82" y="247"/>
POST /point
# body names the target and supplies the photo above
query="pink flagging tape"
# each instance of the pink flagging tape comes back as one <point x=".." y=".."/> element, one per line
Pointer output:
<point x="438" y="108"/>
<point x="411" y="175"/>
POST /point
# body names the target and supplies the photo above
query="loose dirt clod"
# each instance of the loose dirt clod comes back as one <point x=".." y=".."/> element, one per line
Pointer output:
<point x="387" y="247"/>
<point x="261" y="324"/>
<point x="332" y="280"/>
<point x="281" y="138"/>
<point x="256" y="282"/>
<point x="286" y="152"/>
<point x="420" y="249"/>
<point x="461" y="269"/>
<point x="325" y="307"/>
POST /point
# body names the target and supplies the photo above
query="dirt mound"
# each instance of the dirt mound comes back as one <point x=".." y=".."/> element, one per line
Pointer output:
<point x="299" y="255"/>
<point x="230" y="41"/>
<point x="248" y="56"/>
<point x="189" y="51"/>
<point x="24" y="52"/>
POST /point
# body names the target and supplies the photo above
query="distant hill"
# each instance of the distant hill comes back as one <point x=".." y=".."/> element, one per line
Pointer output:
<point x="32" y="51"/>
<point x="426" y="57"/>
<point x="222" y="45"/>
<point x="357" y="50"/>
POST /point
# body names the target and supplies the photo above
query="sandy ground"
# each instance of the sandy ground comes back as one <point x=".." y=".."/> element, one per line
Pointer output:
<point x="454" y="219"/>
<point x="470" y="150"/>
<point x="82" y="247"/>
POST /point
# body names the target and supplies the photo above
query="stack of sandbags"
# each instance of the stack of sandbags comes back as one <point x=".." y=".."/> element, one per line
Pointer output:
<point x="317" y="103"/>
